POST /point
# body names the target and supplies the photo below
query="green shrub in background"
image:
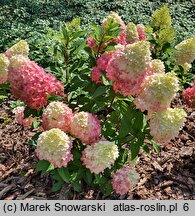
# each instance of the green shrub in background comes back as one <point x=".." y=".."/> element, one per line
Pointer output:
<point x="30" y="18"/>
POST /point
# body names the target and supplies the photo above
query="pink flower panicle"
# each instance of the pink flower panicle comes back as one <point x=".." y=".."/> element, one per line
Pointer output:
<point x="189" y="97"/>
<point x="101" y="65"/>
<point x="124" y="179"/>
<point x="86" y="127"/>
<point x="19" y="115"/>
<point x="129" y="66"/>
<point x="135" y="33"/>
<point x="32" y="85"/>
<point x="57" y="115"/>
<point x="141" y="32"/>
<point x="100" y="156"/>
<point x="55" y="146"/>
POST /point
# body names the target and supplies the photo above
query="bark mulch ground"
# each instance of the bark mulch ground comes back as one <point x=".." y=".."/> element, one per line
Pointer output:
<point x="167" y="175"/>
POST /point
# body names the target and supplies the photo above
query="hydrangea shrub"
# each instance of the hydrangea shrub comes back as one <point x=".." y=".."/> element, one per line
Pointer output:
<point x="119" y="82"/>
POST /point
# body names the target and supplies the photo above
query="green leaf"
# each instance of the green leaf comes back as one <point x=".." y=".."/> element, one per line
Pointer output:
<point x="127" y="123"/>
<point x="55" y="98"/>
<point x="156" y="146"/>
<point x="98" y="106"/>
<point x="36" y="124"/>
<point x="108" y="189"/>
<point x="32" y="112"/>
<point x="135" y="147"/>
<point x="139" y="121"/>
<point x="76" y="186"/>
<point x="65" y="33"/>
<point x="57" y="186"/>
<point x="64" y="174"/>
<point x="33" y="141"/>
<point x="76" y="154"/>
<point x="44" y="166"/>
<point x="99" y="91"/>
<point x="146" y="149"/>
<point x="2" y="97"/>
<point x="88" y="177"/>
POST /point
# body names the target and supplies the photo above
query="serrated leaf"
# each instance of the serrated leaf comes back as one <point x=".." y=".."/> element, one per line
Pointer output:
<point x="135" y="147"/>
<point x="36" y="124"/>
<point x="44" y="166"/>
<point x="64" y="174"/>
<point x="99" y="91"/>
<point x="56" y="187"/>
<point x="146" y="148"/>
<point x="156" y="146"/>
<point x="76" y="186"/>
<point x="33" y="141"/>
<point x="88" y="177"/>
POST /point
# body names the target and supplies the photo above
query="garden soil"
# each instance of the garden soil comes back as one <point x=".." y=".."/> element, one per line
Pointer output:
<point x="169" y="174"/>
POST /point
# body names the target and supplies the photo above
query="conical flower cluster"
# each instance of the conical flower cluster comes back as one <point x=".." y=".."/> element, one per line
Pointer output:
<point x="124" y="179"/>
<point x="4" y="63"/>
<point x="86" y="127"/>
<point x="32" y="85"/>
<point x="165" y="125"/>
<point x="189" y="96"/>
<point x="55" y="146"/>
<point x="57" y="115"/>
<point x="157" y="92"/>
<point x="129" y="66"/>
<point x="19" y="115"/>
<point x="20" y="48"/>
<point x="185" y="51"/>
<point x="100" y="156"/>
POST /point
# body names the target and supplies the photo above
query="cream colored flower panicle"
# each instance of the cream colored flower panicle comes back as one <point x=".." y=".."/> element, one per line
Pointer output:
<point x="132" y="34"/>
<point x="55" y="146"/>
<point x="157" y="92"/>
<point x="57" y="115"/>
<point x="185" y="51"/>
<point x="158" y="66"/>
<point x="165" y="125"/>
<point x="20" y="48"/>
<point x="100" y="156"/>
<point x="4" y="63"/>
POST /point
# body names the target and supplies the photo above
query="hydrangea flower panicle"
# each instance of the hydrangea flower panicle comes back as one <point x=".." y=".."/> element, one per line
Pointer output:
<point x="129" y="67"/>
<point x="4" y="63"/>
<point x="20" y="48"/>
<point x="31" y="84"/>
<point x="100" y="156"/>
<point x="19" y="114"/>
<point x="124" y="179"/>
<point x="165" y="124"/>
<point x="86" y="127"/>
<point x="157" y="92"/>
<point x="185" y="51"/>
<point x="54" y="146"/>
<point x="57" y="115"/>
<point x="189" y="96"/>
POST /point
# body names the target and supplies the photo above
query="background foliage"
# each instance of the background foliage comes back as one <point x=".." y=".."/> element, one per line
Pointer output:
<point x="32" y="19"/>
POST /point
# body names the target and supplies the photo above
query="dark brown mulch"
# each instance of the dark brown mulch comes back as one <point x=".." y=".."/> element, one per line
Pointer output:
<point x="167" y="175"/>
